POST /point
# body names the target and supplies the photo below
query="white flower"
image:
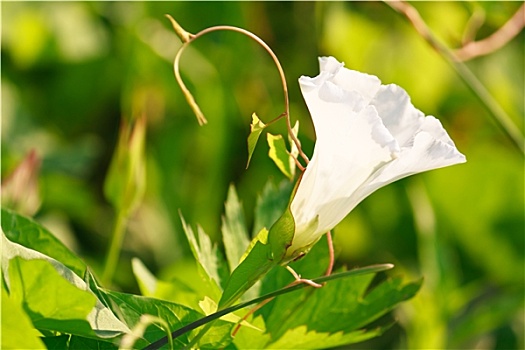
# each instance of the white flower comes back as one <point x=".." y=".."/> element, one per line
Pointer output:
<point x="368" y="135"/>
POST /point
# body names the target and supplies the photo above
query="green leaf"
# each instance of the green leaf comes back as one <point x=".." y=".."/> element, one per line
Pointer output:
<point x="256" y="128"/>
<point x="252" y="338"/>
<point x="173" y="290"/>
<point x="59" y="342"/>
<point x="279" y="154"/>
<point x="207" y="256"/>
<point x="250" y="270"/>
<point x="82" y="343"/>
<point x="17" y="330"/>
<point x="288" y="289"/>
<point x="340" y="306"/>
<point x="234" y="232"/>
<point x="302" y="338"/>
<point x="132" y="307"/>
<point x="271" y="204"/>
<point x="51" y="301"/>
<point x="260" y="259"/>
<point x="100" y="318"/>
<point x="26" y="232"/>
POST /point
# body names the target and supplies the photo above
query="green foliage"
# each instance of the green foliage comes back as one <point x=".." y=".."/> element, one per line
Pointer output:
<point x="26" y="232"/>
<point x="472" y="258"/>
<point x="256" y="128"/>
<point x="234" y="233"/>
<point x="280" y="155"/>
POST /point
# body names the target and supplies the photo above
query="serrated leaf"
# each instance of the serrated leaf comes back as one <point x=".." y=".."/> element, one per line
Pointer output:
<point x="234" y="232"/>
<point x="17" y="330"/>
<point x="279" y="154"/>
<point x="302" y="338"/>
<point x="28" y="233"/>
<point x="132" y="307"/>
<point x="207" y="257"/>
<point x="285" y="290"/>
<point x="340" y="306"/>
<point x="256" y="128"/>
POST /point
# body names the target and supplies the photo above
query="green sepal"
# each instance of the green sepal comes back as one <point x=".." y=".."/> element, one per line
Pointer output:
<point x="281" y="235"/>
<point x="256" y="128"/>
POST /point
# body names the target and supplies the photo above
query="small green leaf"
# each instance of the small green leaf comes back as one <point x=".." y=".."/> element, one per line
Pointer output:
<point x="17" y="330"/>
<point x="256" y="128"/>
<point x="28" y="233"/>
<point x="279" y="154"/>
<point x="234" y="232"/>
<point x="207" y="256"/>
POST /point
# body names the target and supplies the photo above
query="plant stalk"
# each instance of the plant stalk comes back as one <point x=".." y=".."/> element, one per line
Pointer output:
<point x="119" y="229"/>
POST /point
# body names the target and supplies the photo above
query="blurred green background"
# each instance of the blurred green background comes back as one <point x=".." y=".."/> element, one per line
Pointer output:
<point x="72" y="70"/>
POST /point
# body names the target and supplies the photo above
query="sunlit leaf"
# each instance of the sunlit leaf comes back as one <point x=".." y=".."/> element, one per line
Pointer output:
<point x="279" y="154"/>
<point x="17" y="330"/>
<point x="52" y="302"/>
<point x="28" y="233"/>
<point x="132" y="307"/>
<point x="207" y="257"/>
<point x="303" y="338"/>
<point x="102" y="322"/>
<point x="234" y="232"/>
<point x="256" y="128"/>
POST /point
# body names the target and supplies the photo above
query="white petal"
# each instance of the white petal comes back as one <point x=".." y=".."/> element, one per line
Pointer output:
<point x="368" y="135"/>
<point x="351" y="144"/>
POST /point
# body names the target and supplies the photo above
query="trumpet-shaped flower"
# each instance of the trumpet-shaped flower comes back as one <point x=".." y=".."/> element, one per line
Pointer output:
<point x="368" y="135"/>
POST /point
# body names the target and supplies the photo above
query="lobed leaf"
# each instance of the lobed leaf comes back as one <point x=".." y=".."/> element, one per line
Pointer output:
<point x="207" y="256"/>
<point x="234" y="232"/>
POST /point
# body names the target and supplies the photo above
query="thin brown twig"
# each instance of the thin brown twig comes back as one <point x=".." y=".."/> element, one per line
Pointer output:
<point x="501" y="118"/>
<point x="188" y="38"/>
<point x="495" y="41"/>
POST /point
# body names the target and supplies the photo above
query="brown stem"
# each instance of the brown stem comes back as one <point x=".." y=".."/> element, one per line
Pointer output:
<point x="189" y="38"/>
<point x="495" y="41"/>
